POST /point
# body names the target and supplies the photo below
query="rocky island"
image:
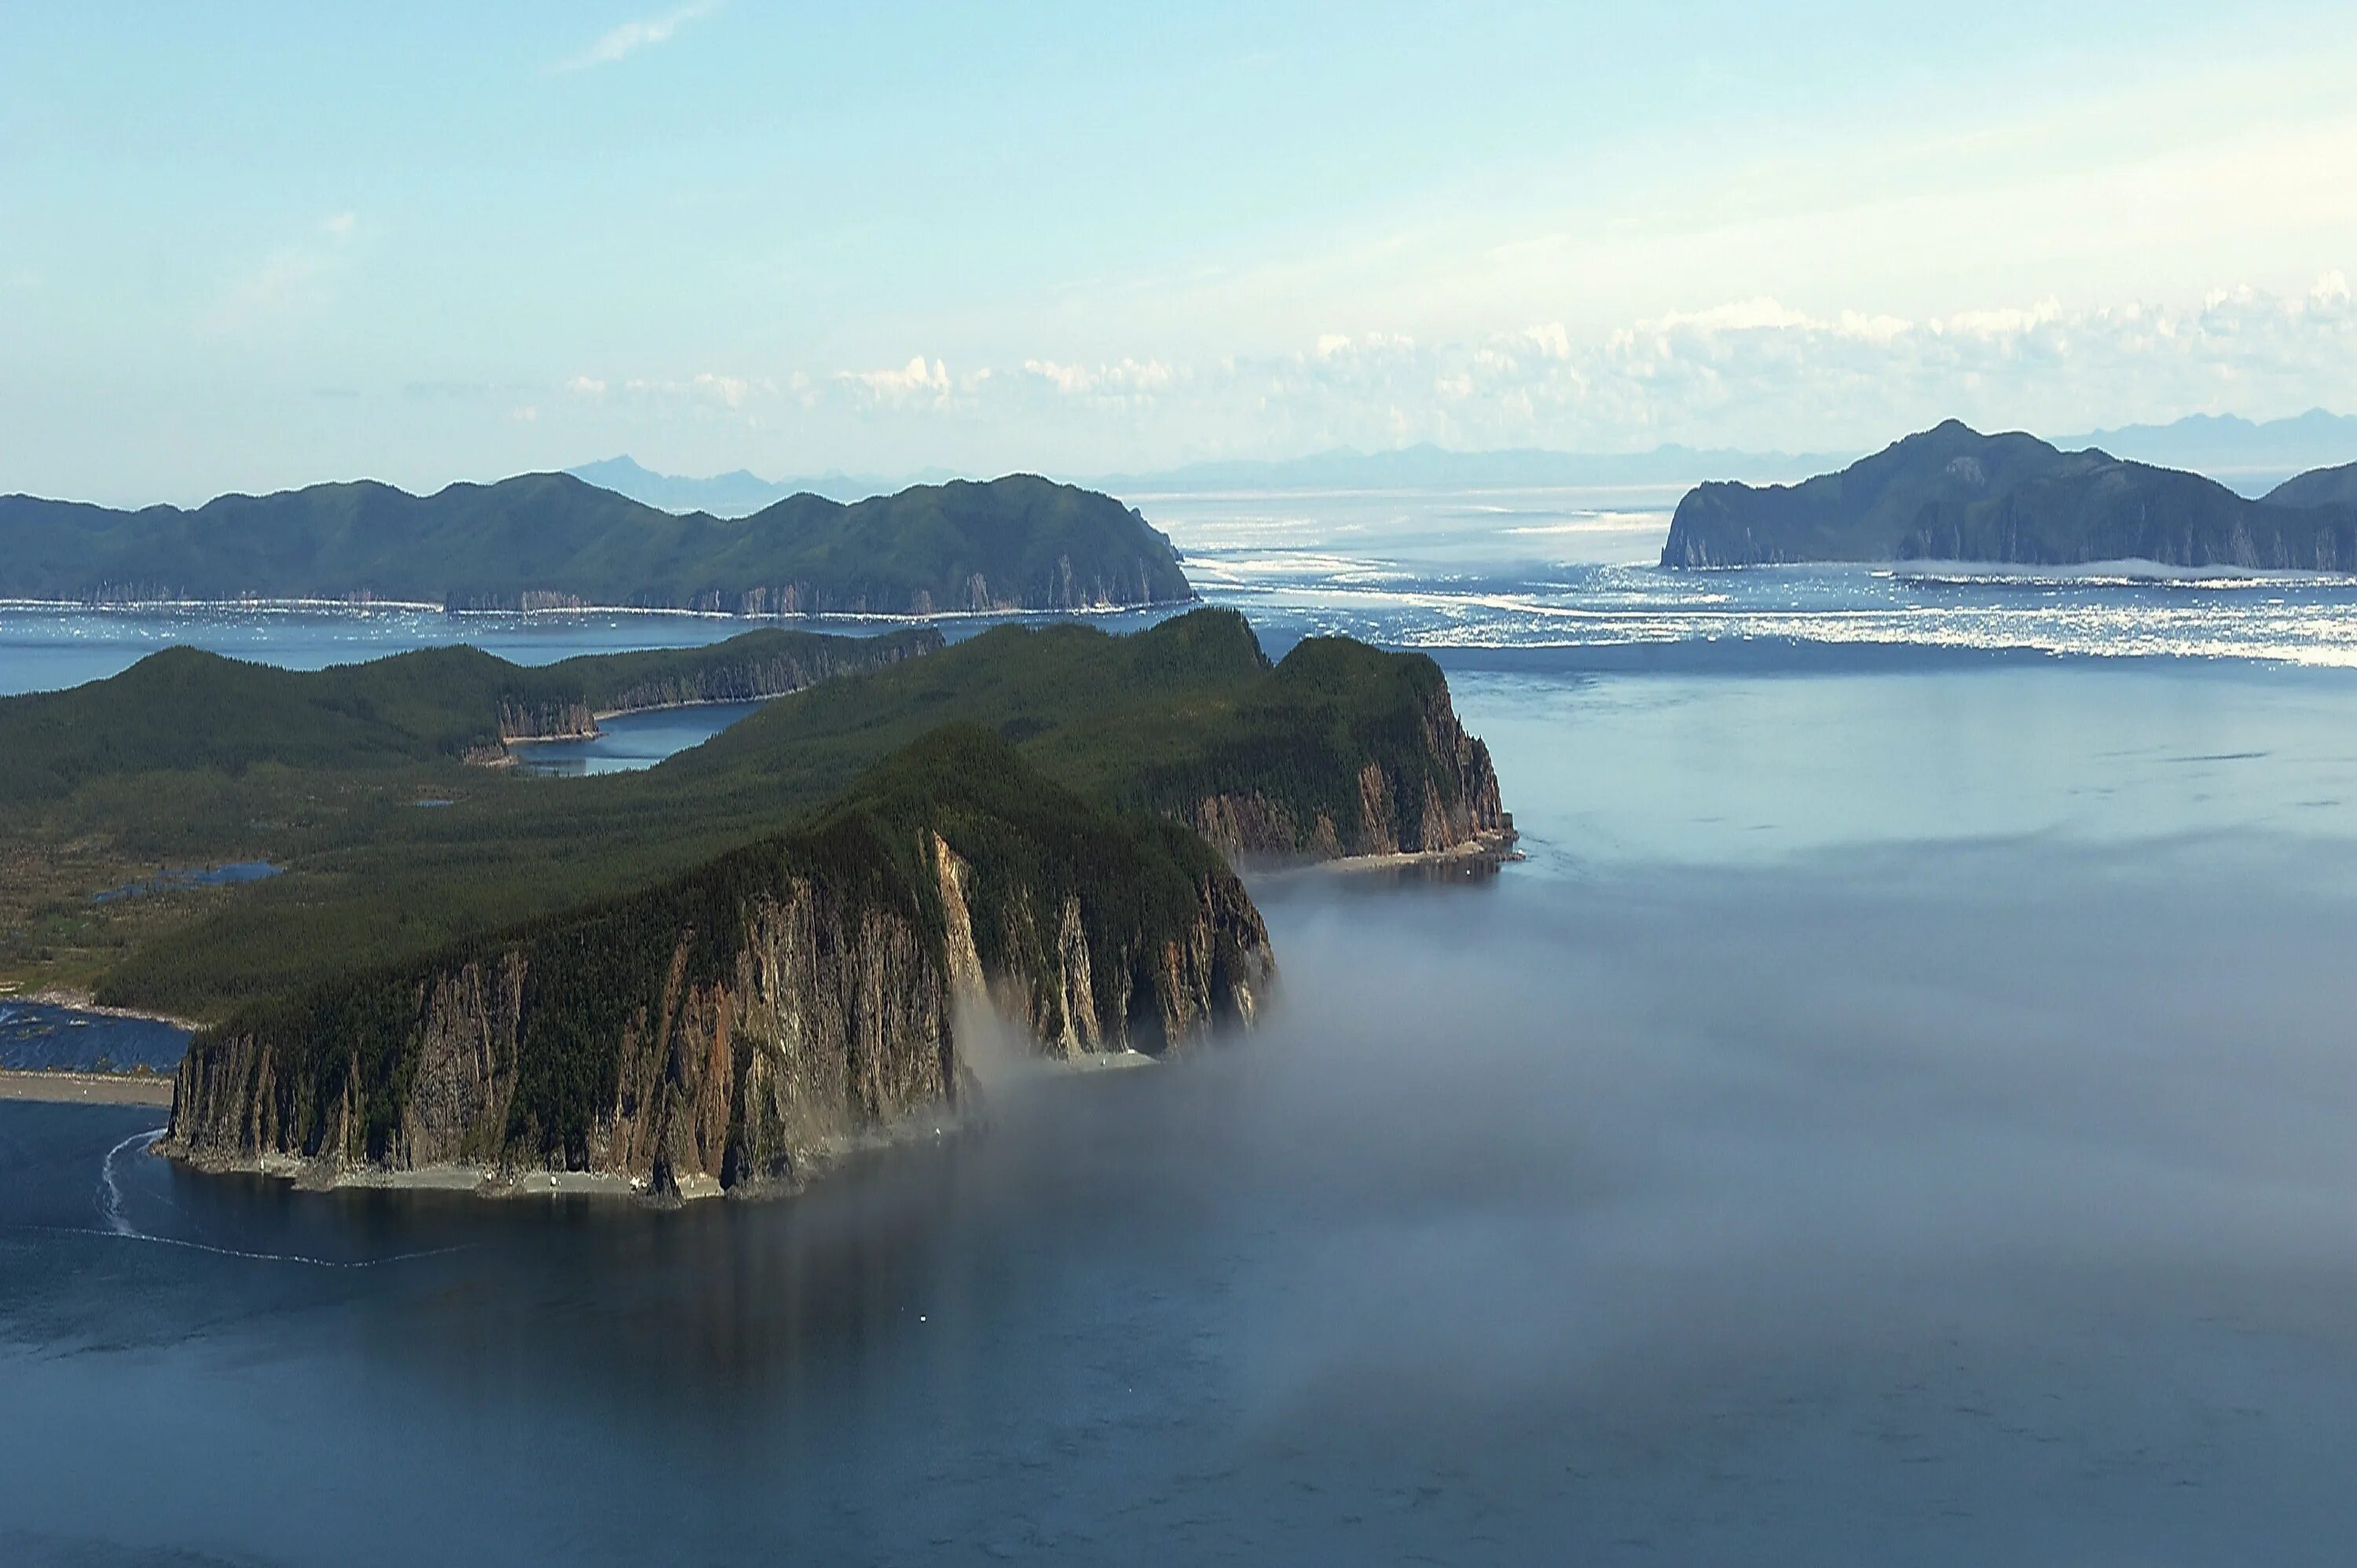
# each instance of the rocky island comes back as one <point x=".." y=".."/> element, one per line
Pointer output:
<point x="1954" y="494"/>
<point x="551" y="540"/>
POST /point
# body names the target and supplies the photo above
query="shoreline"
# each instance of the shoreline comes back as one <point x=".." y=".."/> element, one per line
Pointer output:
<point x="1482" y="849"/>
<point x="491" y="1183"/>
<point x="596" y="717"/>
<point x="81" y="1002"/>
<point x="60" y="1085"/>
<point x="887" y="618"/>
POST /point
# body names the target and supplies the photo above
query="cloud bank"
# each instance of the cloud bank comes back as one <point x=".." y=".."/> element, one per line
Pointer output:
<point x="1749" y="372"/>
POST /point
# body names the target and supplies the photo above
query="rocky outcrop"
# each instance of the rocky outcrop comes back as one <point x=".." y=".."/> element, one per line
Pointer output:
<point x="738" y="1031"/>
<point x="1436" y="794"/>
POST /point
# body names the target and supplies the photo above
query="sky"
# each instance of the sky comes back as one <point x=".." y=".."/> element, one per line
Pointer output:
<point x="251" y="246"/>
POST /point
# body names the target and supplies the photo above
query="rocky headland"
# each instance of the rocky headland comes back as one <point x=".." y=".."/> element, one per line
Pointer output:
<point x="740" y="1028"/>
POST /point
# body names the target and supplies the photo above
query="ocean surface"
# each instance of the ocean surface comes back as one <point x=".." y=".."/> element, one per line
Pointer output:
<point x="1900" y="1111"/>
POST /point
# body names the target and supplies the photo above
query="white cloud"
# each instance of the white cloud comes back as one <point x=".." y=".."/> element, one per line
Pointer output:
<point x="913" y="381"/>
<point x="585" y="386"/>
<point x="1751" y="373"/>
<point x="645" y="32"/>
<point x="1122" y="380"/>
<point x="729" y="391"/>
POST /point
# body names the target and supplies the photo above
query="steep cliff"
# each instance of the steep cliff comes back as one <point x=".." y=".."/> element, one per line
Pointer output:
<point x="1954" y="494"/>
<point x="738" y="1028"/>
<point x="1425" y="787"/>
<point x="1337" y="749"/>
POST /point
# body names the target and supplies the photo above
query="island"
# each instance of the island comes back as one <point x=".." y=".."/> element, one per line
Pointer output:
<point x="1954" y="494"/>
<point x="723" y="971"/>
<point x="552" y="541"/>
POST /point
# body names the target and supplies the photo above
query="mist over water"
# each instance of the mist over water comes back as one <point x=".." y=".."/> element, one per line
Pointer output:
<point x="1815" y="1194"/>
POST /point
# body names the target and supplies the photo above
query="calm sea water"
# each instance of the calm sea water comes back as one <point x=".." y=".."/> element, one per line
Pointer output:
<point x="1899" y="1112"/>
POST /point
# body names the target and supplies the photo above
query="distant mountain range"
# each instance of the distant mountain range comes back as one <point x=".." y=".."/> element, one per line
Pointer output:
<point x="550" y="541"/>
<point x="741" y="493"/>
<point x="1954" y="494"/>
<point x="2247" y="457"/>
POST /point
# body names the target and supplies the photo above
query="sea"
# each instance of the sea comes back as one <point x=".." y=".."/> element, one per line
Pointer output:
<point x="1901" y="1109"/>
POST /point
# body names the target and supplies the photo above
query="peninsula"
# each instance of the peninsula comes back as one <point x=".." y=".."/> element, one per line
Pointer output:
<point x="724" y="971"/>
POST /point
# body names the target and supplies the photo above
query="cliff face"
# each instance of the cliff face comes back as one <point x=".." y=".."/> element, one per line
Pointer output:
<point x="1952" y="494"/>
<point x="739" y="1030"/>
<point x="1438" y="794"/>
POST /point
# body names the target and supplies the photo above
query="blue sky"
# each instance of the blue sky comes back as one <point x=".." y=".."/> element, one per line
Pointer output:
<point x="259" y="245"/>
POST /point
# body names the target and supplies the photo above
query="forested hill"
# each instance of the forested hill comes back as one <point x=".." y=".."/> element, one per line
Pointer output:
<point x="741" y="1026"/>
<point x="2318" y="486"/>
<point x="1337" y="749"/>
<point x="1954" y="494"/>
<point x="545" y="540"/>
<point x="183" y="709"/>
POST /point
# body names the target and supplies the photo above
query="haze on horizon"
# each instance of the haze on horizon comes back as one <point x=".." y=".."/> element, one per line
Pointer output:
<point x="257" y="246"/>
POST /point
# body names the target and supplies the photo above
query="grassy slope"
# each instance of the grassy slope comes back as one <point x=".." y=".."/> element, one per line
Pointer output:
<point x="486" y="544"/>
<point x="1149" y="721"/>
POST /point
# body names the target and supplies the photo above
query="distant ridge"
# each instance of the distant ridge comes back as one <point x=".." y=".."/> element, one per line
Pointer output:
<point x="1954" y="494"/>
<point x="1427" y="466"/>
<point x="553" y="541"/>
<point x="2246" y="455"/>
<point x="739" y="492"/>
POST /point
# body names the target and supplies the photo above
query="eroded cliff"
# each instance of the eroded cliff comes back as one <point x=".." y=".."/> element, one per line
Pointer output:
<point x="1437" y="795"/>
<point x="737" y="1029"/>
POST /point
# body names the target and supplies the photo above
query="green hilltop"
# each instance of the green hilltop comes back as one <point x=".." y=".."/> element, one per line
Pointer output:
<point x="185" y="710"/>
